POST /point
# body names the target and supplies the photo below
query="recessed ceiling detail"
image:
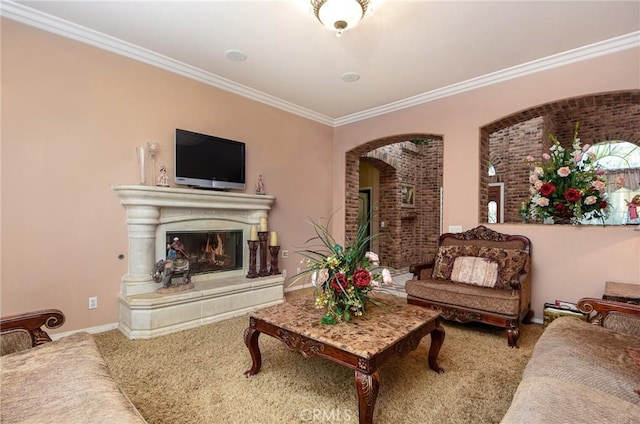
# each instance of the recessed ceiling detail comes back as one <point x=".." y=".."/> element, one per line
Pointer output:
<point x="350" y="77"/>
<point x="236" y="55"/>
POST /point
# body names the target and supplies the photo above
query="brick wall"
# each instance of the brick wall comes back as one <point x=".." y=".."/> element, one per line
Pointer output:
<point x="602" y="117"/>
<point x="410" y="235"/>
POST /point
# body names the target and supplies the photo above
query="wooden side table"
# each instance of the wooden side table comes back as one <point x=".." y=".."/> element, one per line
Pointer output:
<point x="622" y="292"/>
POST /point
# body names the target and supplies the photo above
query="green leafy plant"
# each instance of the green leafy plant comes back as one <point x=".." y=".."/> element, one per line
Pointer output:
<point x="346" y="277"/>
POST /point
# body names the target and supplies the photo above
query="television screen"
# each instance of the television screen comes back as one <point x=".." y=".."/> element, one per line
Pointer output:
<point x="206" y="161"/>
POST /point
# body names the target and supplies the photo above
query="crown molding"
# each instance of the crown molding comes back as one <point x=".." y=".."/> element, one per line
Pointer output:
<point x="49" y="23"/>
<point x="46" y="22"/>
<point x="590" y="51"/>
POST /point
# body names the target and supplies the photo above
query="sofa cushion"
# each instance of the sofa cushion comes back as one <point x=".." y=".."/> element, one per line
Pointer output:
<point x="511" y="263"/>
<point x="502" y="302"/>
<point x="445" y="257"/>
<point x="65" y="381"/>
<point x="579" y="372"/>
<point x="474" y="270"/>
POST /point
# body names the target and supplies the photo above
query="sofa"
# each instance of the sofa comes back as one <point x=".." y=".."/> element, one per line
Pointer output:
<point x="63" y="381"/>
<point x="583" y="371"/>
<point x="478" y="275"/>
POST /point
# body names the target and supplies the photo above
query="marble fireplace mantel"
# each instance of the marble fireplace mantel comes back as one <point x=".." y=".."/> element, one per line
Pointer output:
<point x="151" y="212"/>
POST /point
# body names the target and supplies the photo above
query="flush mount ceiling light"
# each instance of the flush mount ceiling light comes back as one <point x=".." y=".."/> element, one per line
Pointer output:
<point x="339" y="15"/>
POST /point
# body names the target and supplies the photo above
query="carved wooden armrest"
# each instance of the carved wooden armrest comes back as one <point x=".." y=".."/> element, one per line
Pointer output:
<point x="598" y="309"/>
<point x="416" y="269"/>
<point x="32" y="323"/>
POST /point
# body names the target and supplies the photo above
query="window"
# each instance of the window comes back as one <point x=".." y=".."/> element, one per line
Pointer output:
<point x="621" y="160"/>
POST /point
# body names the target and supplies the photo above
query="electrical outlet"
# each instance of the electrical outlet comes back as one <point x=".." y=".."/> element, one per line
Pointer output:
<point x="285" y="254"/>
<point x="93" y="302"/>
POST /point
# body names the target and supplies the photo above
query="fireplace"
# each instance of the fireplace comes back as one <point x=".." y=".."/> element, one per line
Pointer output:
<point x="212" y="228"/>
<point x="208" y="251"/>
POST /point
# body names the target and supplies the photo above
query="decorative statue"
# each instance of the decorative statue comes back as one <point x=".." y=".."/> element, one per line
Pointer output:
<point x="260" y="186"/>
<point x="177" y="262"/>
<point x="163" y="180"/>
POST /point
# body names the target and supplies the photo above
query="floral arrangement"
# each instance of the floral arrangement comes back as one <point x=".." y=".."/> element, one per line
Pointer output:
<point x="345" y="278"/>
<point x="567" y="185"/>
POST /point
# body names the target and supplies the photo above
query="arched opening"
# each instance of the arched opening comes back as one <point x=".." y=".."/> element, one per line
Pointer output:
<point x="409" y="225"/>
<point x="505" y="143"/>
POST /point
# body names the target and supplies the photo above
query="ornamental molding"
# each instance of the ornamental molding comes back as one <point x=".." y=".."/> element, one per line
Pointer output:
<point x="32" y="17"/>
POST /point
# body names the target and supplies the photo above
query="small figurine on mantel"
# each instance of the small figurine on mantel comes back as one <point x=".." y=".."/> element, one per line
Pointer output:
<point x="163" y="179"/>
<point x="260" y="186"/>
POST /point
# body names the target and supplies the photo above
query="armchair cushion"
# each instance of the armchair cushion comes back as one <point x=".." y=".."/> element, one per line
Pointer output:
<point x="475" y="270"/>
<point x="511" y="263"/>
<point x="445" y="257"/>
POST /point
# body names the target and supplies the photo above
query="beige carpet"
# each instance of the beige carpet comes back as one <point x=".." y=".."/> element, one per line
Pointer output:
<point x="197" y="376"/>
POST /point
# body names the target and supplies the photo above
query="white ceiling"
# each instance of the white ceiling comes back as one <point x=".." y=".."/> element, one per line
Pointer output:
<point x="405" y="52"/>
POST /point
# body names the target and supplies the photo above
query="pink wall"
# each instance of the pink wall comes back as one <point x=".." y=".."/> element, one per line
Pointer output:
<point x="568" y="262"/>
<point x="72" y="116"/>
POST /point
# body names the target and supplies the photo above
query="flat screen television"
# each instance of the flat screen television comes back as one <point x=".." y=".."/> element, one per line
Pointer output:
<point x="206" y="161"/>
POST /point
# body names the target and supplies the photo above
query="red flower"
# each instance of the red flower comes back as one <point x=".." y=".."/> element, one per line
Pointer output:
<point x="361" y="278"/>
<point x="547" y="189"/>
<point x="560" y="207"/>
<point x="339" y="282"/>
<point x="603" y="204"/>
<point x="572" y="195"/>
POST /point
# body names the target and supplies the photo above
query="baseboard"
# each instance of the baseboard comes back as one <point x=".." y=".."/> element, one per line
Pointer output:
<point x="537" y="321"/>
<point x="92" y="330"/>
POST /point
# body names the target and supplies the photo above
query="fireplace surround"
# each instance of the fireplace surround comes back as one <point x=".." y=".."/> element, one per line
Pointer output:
<point x="154" y="214"/>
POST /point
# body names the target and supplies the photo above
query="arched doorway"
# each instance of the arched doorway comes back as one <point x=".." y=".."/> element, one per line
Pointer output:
<point x="408" y="230"/>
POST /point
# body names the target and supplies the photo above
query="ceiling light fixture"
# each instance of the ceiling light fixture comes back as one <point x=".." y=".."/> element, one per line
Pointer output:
<point x="339" y="15"/>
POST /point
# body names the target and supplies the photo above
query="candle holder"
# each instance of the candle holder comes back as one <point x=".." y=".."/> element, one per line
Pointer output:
<point x="253" y="248"/>
<point x="274" y="260"/>
<point x="263" y="237"/>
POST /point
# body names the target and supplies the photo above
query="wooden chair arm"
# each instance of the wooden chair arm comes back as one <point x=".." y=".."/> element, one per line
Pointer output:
<point x="416" y="269"/>
<point x="32" y="323"/>
<point x="598" y="309"/>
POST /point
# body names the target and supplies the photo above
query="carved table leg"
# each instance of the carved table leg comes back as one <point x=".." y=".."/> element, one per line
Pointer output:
<point x="437" y="338"/>
<point x="367" y="385"/>
<point x="251" y="340"/>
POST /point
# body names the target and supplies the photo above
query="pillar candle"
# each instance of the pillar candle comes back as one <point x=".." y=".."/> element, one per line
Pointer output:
<point x="253" y="235"/>
<point x="263" y="224"/>
<point x="274" y="239"/>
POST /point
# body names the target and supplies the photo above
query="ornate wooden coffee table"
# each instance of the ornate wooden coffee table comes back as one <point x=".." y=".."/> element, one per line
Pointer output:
<point x="363" y="344"/>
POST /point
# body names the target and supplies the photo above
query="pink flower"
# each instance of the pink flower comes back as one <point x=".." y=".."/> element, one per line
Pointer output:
<point x="586" y="147"/>
<point x="538" y="171"/>
<point x="601" y="172"/>
<point x="538" y="184"/>
<point x="564" y="171"/>
<point x="323" y="275"/>
<point x="590" y="200"/>
<point x="546" y="156"/>
<point x="542" y="201"/>
<point x="577" y="157"/>
<point x="386" y="276"/>
<point x="530" y="158"/>
<point x="533" y="178"/>
<point x="373" y="258"/>
<point x="598" y="185"/>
